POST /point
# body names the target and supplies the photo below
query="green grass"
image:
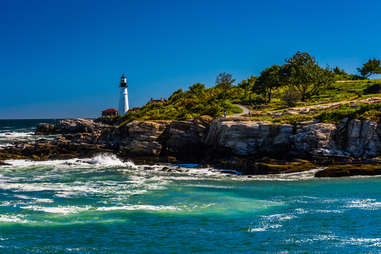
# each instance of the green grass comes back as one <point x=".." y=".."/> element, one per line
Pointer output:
<point x="212" y="101"/>
<point x="286" y="119"/>
<point x="339" y="91"/>
<point x="350" y="111"/>
<point x="235" y="110"/>
<point x="361" y="111"/>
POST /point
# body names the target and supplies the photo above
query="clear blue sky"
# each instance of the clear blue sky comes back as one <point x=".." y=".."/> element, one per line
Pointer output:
<point x="64" y="58"/>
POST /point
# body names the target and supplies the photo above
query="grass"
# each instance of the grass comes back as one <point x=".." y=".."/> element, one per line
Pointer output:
<point x="339" y="91"/>
<point x="286" y="119"/>
<point x="335" y="115"/>
<point x="361" y="111"/>
<point x="235" y="110"/>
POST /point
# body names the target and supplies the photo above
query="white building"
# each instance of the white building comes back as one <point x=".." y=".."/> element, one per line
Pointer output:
<point x="123" y="102"/>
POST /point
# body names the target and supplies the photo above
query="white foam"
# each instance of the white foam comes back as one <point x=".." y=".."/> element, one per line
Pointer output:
<point x="272" y="221"/>
<point x="328" y="211"/>
<point x="365" y="204"/>
<point x="175" y="173"/>
<point x="300" y="211"/>
<point x="279" y="217"/>
<point x="12" y="219"/>
<point x="36" y="200"/>
<point x="101" y="160"/>
<point x="14" y="134"/>
<point x="65" y="210"/>
<point x="364" y="240"/>
<point x="109" y="160"/>
<point x="139" y="207"/>
<point x="264" y="228"/>
<point x="58" y="209"/>
<point x="297" y="176"/>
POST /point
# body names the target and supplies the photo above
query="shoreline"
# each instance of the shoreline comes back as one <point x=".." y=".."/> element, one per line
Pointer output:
<point x="198" y="171"/>
<point x="250" y="148"/>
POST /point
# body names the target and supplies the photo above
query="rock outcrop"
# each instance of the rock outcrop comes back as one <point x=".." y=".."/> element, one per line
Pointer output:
<point x="142" y="138"/>
<point x="359" y="138"/>
<point x="70" y="126"/>
<point x="355" y="138"/>
<point x="249" y="138"/>
<point x="249" y="146"/>
<point x="314" y="139"/>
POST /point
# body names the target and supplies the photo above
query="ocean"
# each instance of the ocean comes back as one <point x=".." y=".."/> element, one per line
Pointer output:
<point x="104" y="205"/>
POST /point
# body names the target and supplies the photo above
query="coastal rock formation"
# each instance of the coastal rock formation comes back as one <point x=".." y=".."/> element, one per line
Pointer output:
<point x="142" y="137"/>
<point x="69" y="126"/>
<point x="248" y="146"/>
<point x="359" y="138"/>
<point x="186" y="137"/>
<point x="355" y="138"/>
<point x="249" y="138"/>
<point x="315" y="138"/>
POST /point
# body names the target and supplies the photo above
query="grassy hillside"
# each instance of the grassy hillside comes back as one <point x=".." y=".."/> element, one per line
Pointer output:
<point x="198" y="100"/>
<point x="299" y="82"/>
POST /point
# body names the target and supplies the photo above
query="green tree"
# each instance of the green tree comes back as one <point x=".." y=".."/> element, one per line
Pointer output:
<point x="247" y="84"/>
<point x="224" y="81"/>
<point x="373" y="66"/>
<point x="197" y="90"/>
<point x="267" y="82"/>
<point x="176" y="96"/>
<point x="339" y="71"/>
<point x="304" y="74"/>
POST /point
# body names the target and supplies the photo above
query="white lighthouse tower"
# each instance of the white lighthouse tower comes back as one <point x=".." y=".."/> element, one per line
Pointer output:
<point x="123" y="102"/>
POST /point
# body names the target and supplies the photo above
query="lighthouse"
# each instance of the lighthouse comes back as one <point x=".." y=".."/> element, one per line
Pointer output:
<point x="123" y="102"/>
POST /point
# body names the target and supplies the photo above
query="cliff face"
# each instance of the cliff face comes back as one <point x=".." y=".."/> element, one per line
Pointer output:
<point x="206" y="138"/>
<point x="149" y="139"/>
<point x="248" y="146"/>
<point x="359" y="138"/>
<point x="355" y="138"/>
<point x="249" y="138"/>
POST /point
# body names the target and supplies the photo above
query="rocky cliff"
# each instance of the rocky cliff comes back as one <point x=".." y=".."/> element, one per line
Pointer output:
<point x="248" y="146"/>
<point x="354" y="138"/>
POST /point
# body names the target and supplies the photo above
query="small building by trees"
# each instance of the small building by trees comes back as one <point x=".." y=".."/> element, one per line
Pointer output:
<point x="110" y="113"/>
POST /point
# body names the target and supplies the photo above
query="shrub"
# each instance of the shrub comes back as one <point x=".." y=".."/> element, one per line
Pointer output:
<point x="290" y="97"/>
<point x="376" y="88"/>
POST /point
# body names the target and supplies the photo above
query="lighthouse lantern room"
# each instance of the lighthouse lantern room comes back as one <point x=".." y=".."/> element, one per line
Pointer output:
<point x="123" y="102"/>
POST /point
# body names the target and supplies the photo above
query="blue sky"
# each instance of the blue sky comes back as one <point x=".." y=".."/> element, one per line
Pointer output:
<point x="64" y="58"/>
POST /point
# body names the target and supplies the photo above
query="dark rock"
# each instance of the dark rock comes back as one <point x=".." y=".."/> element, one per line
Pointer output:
<point x="350" y="170"/>
<point x="69" y="126"/>
<point x="2" y="163"/>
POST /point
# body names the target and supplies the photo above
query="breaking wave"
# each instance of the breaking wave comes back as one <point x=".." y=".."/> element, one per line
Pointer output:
<point x="101" y="160"/>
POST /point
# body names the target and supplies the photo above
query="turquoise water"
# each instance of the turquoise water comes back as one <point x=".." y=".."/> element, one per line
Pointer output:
<point x="103" y="205"/>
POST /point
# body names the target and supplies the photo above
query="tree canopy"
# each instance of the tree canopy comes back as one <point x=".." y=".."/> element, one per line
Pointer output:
<point x="267" y="82"/>
<point x="373" y="66"/>
<point x="303" y="73"/>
